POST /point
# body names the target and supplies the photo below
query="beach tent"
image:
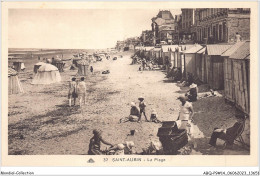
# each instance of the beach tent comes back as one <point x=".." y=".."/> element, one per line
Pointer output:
<point x="47" y="74"/>
<point x="14" y="85"/>
<point x="83" y="67"/>
<point x="37" y="66"/>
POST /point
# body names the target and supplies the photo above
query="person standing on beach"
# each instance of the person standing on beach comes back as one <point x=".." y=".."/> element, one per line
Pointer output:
<point x="82" y="91"/>
<point x="72" y="91"/>
<point x="91" y="69"/>
<point x="142" y="106"/>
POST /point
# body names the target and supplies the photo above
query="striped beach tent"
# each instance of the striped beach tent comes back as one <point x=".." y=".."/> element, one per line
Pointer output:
<point x="14" y="84"/>
<point x="83" y="66"/>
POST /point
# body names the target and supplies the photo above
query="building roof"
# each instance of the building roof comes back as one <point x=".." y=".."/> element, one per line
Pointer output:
<point x="11" y="72"/>
<point x="232" y="49"/>
<point x="216" y="49"/>
<point x="202" y="50"/>
<point x="242" y="52"/>
<point x="160" y="14"/>
<point x="193" y="49"/>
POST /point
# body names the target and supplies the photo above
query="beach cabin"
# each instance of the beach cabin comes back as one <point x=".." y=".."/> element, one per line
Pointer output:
<point x="181" y="58"/>
<point x="157" y="55"/>
<point x="214" y="65"/>
<point x="147" y="51"/>
<point x="201" y="65"/>
<point x="165" y="53"/>
<point x="14" y="84"/>
<point x="190" y="60"/>
<point x="173" y="55"/>
<point x="237" y="75"/>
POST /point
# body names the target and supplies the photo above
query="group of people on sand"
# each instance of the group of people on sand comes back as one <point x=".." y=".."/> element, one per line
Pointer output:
<point x="119" y="149"/>
<point x="137" y="112"/>
<point x="125" y="148"/>
<point x="77" y="89"/>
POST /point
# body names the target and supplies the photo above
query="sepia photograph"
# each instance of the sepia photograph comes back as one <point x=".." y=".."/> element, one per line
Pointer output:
<point x="113" y="81"/>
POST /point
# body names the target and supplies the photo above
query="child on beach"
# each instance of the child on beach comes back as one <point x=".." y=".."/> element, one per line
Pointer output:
<point x="142" y="106"/>
<point x="154" y="117"/>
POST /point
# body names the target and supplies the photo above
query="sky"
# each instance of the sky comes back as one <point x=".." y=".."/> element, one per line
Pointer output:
<point x="76" y="29"/>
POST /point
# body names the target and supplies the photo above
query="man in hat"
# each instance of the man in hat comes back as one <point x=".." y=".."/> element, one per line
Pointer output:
<point x="95" y="143"/>
<point x="192" y="93"/>
<point x="228" y="134"/>
<point x="142" y="106"/>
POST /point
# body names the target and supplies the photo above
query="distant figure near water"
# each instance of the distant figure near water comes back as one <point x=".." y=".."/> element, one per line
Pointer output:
<point x="91" y="69"/>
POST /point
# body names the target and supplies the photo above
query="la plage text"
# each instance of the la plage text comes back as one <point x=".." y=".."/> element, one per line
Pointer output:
<point x="138" y="160"/>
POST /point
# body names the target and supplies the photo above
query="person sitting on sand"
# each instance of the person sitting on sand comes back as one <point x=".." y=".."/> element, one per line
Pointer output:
<point x="82" y="91"/>
<point x="154" y="117"/>
<point x="134" y="112"/>
<point x="95" y="143"/>
<point x="192" y="93"/>
<point x="72" y="91"/>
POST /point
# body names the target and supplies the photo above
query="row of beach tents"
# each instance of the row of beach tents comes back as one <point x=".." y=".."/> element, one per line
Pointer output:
<point x="44" y="73"/>
<point x="221" y="66"/>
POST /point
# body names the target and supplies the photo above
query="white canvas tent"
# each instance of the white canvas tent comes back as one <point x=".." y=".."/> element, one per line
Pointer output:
<point x="37" y="66"/>
<point x="47" y="74"/>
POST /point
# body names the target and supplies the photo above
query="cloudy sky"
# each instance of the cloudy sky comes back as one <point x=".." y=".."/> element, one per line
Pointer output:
<point x="73" y="28"/>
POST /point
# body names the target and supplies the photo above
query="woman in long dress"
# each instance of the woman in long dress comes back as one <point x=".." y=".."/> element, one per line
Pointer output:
<point x="72" y="91"/>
